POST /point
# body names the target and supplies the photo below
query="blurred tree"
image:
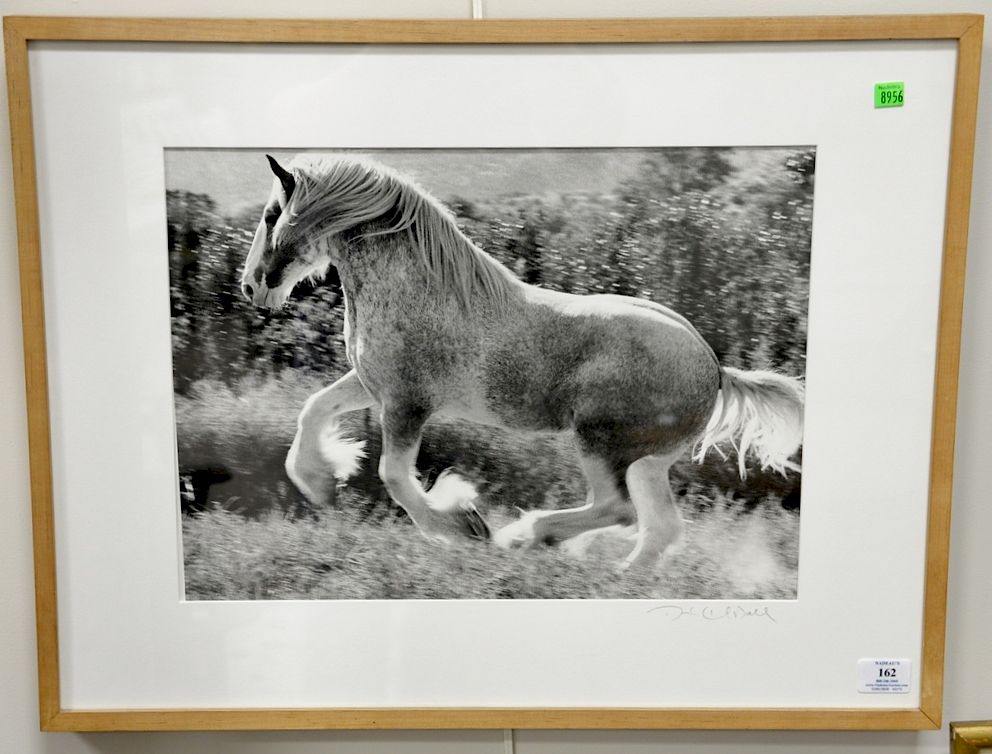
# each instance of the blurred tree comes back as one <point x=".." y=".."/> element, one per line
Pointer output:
<point x="720" y="235"/>
<point x="526" y="246"/>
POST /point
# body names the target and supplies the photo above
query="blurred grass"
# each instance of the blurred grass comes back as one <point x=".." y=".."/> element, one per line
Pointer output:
<point x="256" y="538"/>
<point x="726" y="553"/>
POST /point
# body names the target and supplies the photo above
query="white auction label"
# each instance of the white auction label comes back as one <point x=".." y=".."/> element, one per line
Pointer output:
<point x="884" y="676"/>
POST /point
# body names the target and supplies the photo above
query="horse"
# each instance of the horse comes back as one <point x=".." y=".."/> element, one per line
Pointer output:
<point x="435" y="326"/>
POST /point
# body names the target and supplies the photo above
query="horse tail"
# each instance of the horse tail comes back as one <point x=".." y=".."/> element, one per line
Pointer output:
<point x="760" y="412"/>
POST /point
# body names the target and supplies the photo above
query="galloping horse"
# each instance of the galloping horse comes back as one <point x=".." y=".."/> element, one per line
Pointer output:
<point x="435" y="326"/>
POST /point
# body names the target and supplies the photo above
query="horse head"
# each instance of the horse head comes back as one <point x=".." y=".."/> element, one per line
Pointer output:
<point x="322" y="208"/>
<point x="280" y="258"/>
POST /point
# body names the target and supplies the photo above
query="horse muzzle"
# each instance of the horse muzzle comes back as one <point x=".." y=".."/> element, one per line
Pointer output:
<point x="258" y="294"/>
<point x="262" y="296"/>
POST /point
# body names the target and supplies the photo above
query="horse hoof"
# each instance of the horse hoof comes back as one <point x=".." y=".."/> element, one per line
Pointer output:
<point x="646" y="558"/>
<point x="639" y="564"/>
<point x="452" y="497"/>
<point x="518" y="534"/>
<point x="475" y="525"/>
<point x="461" y="523"/>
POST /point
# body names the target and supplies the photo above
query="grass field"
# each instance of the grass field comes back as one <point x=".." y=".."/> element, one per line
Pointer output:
<point x="726" y="553"/>
<point x="254" y="540"/>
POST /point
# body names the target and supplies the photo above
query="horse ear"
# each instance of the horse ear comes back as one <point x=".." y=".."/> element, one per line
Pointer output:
<point x="284" y="176"/>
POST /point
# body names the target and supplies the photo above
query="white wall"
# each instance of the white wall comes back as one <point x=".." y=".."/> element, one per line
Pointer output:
<point x="968" y="678"/>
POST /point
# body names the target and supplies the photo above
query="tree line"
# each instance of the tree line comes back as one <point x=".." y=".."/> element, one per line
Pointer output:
<point x="726" y="247"/>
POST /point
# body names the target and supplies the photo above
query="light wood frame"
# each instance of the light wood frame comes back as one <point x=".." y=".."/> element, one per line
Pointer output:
<point x="966" y="30"/>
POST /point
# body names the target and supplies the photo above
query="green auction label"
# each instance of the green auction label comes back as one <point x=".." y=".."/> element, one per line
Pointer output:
<point x="889" y="94"/>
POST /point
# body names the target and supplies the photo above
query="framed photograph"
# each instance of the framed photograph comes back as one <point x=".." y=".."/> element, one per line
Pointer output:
<point x="492" y="374"/>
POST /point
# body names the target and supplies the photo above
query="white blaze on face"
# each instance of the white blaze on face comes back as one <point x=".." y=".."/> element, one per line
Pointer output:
<point x="257" y="250"/>
<point x="310" y="261"/>
<point x="254" y="255"/>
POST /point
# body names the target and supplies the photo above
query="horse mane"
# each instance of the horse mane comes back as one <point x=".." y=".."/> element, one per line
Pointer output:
<point x="343" y="193"/>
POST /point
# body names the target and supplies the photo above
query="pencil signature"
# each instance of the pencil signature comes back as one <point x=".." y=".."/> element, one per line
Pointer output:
<point x="715" y="613"/>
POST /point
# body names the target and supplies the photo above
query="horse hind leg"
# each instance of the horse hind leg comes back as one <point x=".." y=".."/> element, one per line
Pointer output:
<point x="606" y="505"/>
<point x="658" y="522"/>
<point x="320" y="455"/>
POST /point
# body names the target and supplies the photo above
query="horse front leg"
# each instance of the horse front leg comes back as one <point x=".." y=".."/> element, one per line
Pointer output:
<point x="319" y="455"/>
<point x="438" y="516"/>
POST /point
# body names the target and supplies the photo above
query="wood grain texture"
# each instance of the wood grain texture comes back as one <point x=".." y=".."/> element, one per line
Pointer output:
<point x="35" y="367"/>
<point x="564" y="31"/>
<point x="491" y="718"/>
<point x="946" y="377"/>
<point x="967" y="29"/>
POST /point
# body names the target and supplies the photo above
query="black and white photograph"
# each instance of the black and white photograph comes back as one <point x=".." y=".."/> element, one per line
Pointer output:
<point x="490" y="373"/>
